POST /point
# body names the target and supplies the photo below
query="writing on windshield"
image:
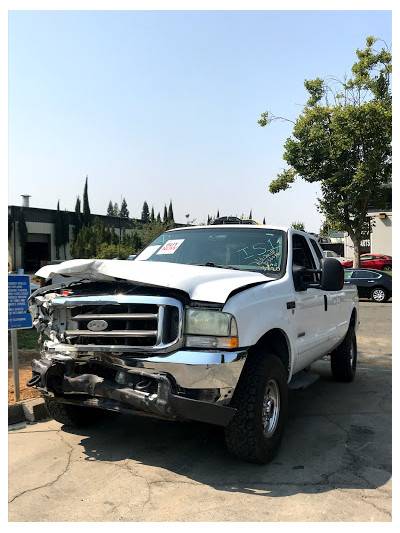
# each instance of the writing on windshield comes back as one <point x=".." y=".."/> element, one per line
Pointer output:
<point x="253" y="249"/>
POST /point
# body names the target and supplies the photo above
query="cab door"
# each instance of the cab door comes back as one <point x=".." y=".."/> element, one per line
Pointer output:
<point x="335" y="316"/>
<point x="310" y="318"/>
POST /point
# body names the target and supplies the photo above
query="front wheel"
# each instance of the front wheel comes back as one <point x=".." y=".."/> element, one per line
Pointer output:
<point x="344" y="358"/>
<point x="72" y="415"/>
<point x="378" y="295"/>
<point x="261" y="400"/>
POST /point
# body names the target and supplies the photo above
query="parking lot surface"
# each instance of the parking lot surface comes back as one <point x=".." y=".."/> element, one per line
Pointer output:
<point x="334" y="463"/>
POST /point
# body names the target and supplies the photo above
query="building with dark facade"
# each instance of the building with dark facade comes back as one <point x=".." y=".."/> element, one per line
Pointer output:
<point x="40" y="243"/>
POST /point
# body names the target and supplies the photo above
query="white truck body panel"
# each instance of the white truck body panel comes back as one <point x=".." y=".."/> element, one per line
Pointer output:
<point x="200" y="283"/>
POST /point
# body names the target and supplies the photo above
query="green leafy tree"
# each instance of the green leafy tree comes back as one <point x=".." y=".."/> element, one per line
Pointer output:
<point x="124" y="213"/>
<point x="131" y="242"/>
<point x="86" y="209"/>
<point x="298" y="225"/>
<point x="153" y="230"/>
<point x="84" y="246"/>
<point x="111" y="236"/>
<point x="342" y="140"/>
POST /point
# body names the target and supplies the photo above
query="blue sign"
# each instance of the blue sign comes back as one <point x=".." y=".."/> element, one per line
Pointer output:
<point x="19" y="290"/>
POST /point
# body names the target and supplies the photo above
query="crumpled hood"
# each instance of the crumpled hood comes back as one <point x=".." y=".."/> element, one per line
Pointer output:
<point x="202" y="283"/>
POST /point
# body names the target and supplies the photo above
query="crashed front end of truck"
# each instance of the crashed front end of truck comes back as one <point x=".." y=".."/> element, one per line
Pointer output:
<point x="116" y="345"/>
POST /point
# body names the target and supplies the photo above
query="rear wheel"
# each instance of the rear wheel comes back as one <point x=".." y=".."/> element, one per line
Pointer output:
<point x="344" y="358"/>
<point x="379" y="294"/>
<point x="72" y="415"/>
<point x="386" y="268"/>
<point x="261" y="399"/>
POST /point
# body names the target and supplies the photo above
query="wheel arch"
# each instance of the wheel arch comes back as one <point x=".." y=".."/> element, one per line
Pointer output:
<point x="277" y="342"/>
<point x="353" y="319"/>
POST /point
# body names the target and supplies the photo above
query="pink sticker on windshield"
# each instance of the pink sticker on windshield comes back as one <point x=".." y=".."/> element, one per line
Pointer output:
<point x="170" y="247"/>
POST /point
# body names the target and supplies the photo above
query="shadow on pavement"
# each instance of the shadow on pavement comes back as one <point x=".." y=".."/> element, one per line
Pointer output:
<point x="338" y="436"/>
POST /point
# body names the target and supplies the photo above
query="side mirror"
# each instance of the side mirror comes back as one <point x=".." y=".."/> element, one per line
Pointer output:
<point x="299" y="275"/>
<point x="332" y="274"/>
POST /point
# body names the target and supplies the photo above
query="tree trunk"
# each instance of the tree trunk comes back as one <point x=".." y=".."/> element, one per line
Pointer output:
<point x="356" y="242"/>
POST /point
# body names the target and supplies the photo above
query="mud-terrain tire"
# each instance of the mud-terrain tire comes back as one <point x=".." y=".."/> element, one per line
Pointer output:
<point x="379" y="294"/>
<point x="261" y="399"/>
<point x="344" y="358"/>
<point x="72" y="415"/>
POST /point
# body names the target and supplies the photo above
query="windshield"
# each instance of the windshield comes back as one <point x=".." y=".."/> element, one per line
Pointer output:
<point x="250" y="248"/>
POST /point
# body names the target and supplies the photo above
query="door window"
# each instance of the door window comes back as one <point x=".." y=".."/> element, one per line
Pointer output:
<point x="302" y="255"/>
<point x="318" y="251"/>
<point x="362" y="274"/>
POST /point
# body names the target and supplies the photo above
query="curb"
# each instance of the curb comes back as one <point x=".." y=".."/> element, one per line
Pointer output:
<point x="27" y="411"/>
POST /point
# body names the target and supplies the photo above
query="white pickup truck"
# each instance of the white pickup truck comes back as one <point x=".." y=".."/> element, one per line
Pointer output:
<point x="208" y="323"/>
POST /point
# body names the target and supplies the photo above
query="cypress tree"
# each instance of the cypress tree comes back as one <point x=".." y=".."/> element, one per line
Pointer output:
<point x="77" y="217"/>
<point x="145" y="213"/>
<point x="158" y="217"/>
<point x="110" y="209"/>
<point x="86" y="208"/>
<point x="152" y="218"/>
<point x="124" y="213"/>
<point x="170" y="216"/>
<point x="165" y="217"/>
<point x="264" y="220"/>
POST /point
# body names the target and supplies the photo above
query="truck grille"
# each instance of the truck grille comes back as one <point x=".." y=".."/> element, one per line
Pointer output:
<point x="121" y="323"/>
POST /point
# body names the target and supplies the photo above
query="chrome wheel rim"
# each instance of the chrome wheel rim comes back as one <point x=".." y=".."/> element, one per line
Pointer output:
<point x="271" y="407"/>
<point x="379" y="295"/>
<point x="351" y="355"/>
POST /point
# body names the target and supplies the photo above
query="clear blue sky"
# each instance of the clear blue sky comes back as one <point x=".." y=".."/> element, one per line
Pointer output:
<point x="160" y="105"/>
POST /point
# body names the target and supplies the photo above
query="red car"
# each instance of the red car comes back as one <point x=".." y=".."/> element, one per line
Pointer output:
<point x="375" y="261"/>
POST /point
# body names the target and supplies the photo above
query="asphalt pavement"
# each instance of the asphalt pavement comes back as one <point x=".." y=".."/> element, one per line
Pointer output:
<point x="334" y="464"/>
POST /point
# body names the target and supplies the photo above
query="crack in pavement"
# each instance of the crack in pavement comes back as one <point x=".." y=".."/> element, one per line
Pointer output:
<point x="50" y="483"/>
<point x="366" y="499"/>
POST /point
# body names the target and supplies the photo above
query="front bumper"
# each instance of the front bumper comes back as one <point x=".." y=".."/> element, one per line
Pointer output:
<point x="194" y="385"/>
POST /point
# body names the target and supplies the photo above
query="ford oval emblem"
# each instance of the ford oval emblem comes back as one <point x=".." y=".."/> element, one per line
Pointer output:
<point x="97" y="325"/>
